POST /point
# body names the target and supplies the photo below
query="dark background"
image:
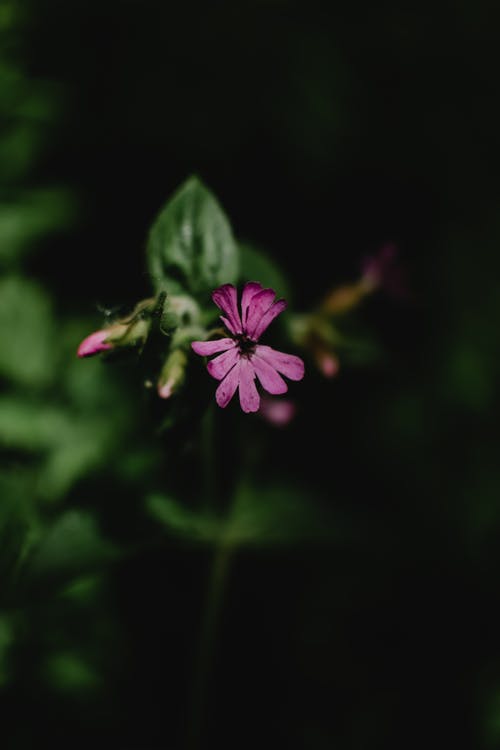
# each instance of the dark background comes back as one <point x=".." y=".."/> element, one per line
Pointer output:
<point x="325" y="132"/>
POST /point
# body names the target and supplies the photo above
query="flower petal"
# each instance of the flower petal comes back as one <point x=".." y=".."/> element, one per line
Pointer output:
<point x="94" y="344"/>
<point x="227" y="323"/>
<point x="226" y="299"/>
<point x="268" y="317"/>
<point x="220" y="366"/>
<point x="288" y="364"/>
<point x="249" y="396"/>
<point x="206" y="348"/>
<point x="228" y="386"/>
<point x="249" y="291"/>
<point x="270" y="380"/>
<point x="259" y="304"/>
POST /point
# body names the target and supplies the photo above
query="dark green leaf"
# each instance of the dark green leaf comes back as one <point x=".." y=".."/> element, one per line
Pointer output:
<point x="72" y="543"/>
<point x="68" y="445"/>
<point x="70" y="672"/>
<point x="27" y="350"/>
<point x="24" y="221"/>
<point x="191" y="246"/>
<point x="277" y="515"/>
<point x="257" y="266"/>
<point x="183" y="522"/>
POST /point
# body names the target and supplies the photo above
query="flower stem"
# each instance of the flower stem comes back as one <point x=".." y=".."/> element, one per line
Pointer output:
<point x="208" y="439"/>
<point x="214" y="596"/>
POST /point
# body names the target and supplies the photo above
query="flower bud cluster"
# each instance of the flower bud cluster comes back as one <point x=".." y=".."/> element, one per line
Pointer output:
<point x="318" y="333"/>
<point x="176" y="317"/>
<point x="131" y="331"/>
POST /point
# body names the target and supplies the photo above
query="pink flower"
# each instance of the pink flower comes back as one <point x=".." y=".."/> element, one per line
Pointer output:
<point x="278" y="412"/>
<point x="328" y="363"/>
<point x="243" y="358"/>
<point x="375" y="268"/>
<point x="94" y="344"/>
<point x="382" y="271"/>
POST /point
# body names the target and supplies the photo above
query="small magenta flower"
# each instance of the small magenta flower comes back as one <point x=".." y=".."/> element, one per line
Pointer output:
<point x="243" y="358"/>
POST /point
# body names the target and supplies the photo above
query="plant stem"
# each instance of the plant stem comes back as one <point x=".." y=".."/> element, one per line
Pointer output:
<point x="214" y="596"/>
<point x="209" y="459"/>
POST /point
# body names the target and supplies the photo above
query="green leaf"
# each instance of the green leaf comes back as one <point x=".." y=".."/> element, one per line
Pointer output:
<point x="72" y="543"/>
<point x="27" y="336"/>
<point x="184" y="522"/>
<point x="83" y="589"/>
<point x="281" y="514"/>
<point x="19" y="517"/>
<point x="259" y="517"/>
<point x="85" y="449"/>
<point x="31" y="427"/>
<point x="24" y="221"/>
<point x="191" y="246"/>
<point x="257" y="266"/>
<point x="70" y="672"/>
<point x="67" y="444"/>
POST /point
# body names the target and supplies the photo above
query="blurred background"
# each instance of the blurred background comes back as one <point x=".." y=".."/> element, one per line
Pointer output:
<point x="365" y="613"/>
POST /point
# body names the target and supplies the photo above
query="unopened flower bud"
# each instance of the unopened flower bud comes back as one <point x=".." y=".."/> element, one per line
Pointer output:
<point x="185" y="308"/>
<point x="317" y="334"/>
<point x="128" y="332"/>
<point x="94" y="344"/>
<point x="101" y="341"/>
<point x="173" y="373"/>
<point x="136" y="332"/>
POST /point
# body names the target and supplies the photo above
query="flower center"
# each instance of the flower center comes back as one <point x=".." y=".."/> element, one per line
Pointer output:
<point x="246" y="345"/>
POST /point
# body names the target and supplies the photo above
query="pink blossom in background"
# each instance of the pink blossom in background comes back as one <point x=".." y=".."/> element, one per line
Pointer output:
<point x="94" y="344"/>
<point x="278" y="412"/>
<point x="382" y="271"/>
<point x="328" y="363"/>
<point x="243" y="358"/>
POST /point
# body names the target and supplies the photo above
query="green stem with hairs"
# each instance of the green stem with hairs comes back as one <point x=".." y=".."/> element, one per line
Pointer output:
<point x="213" y="603"/>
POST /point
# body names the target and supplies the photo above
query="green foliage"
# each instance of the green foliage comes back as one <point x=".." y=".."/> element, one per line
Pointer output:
<point x="71" y="543"/>
<point x="183" y="522"/>
<point x="259" y="516"/>
<point x="66" y="445"/>
<point x="31" y="215"/>
<point x="50" y="436"/>
<point x="70" y="672"/>
<point x="191" y="245"/>
<point x="257" y="266"/>
<point x="28" y="426"/>
<point x="27" y="333"/>
<point x="491" y="719"/>
<point x="83" y="589"/>
<point x="343" y="642"/>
